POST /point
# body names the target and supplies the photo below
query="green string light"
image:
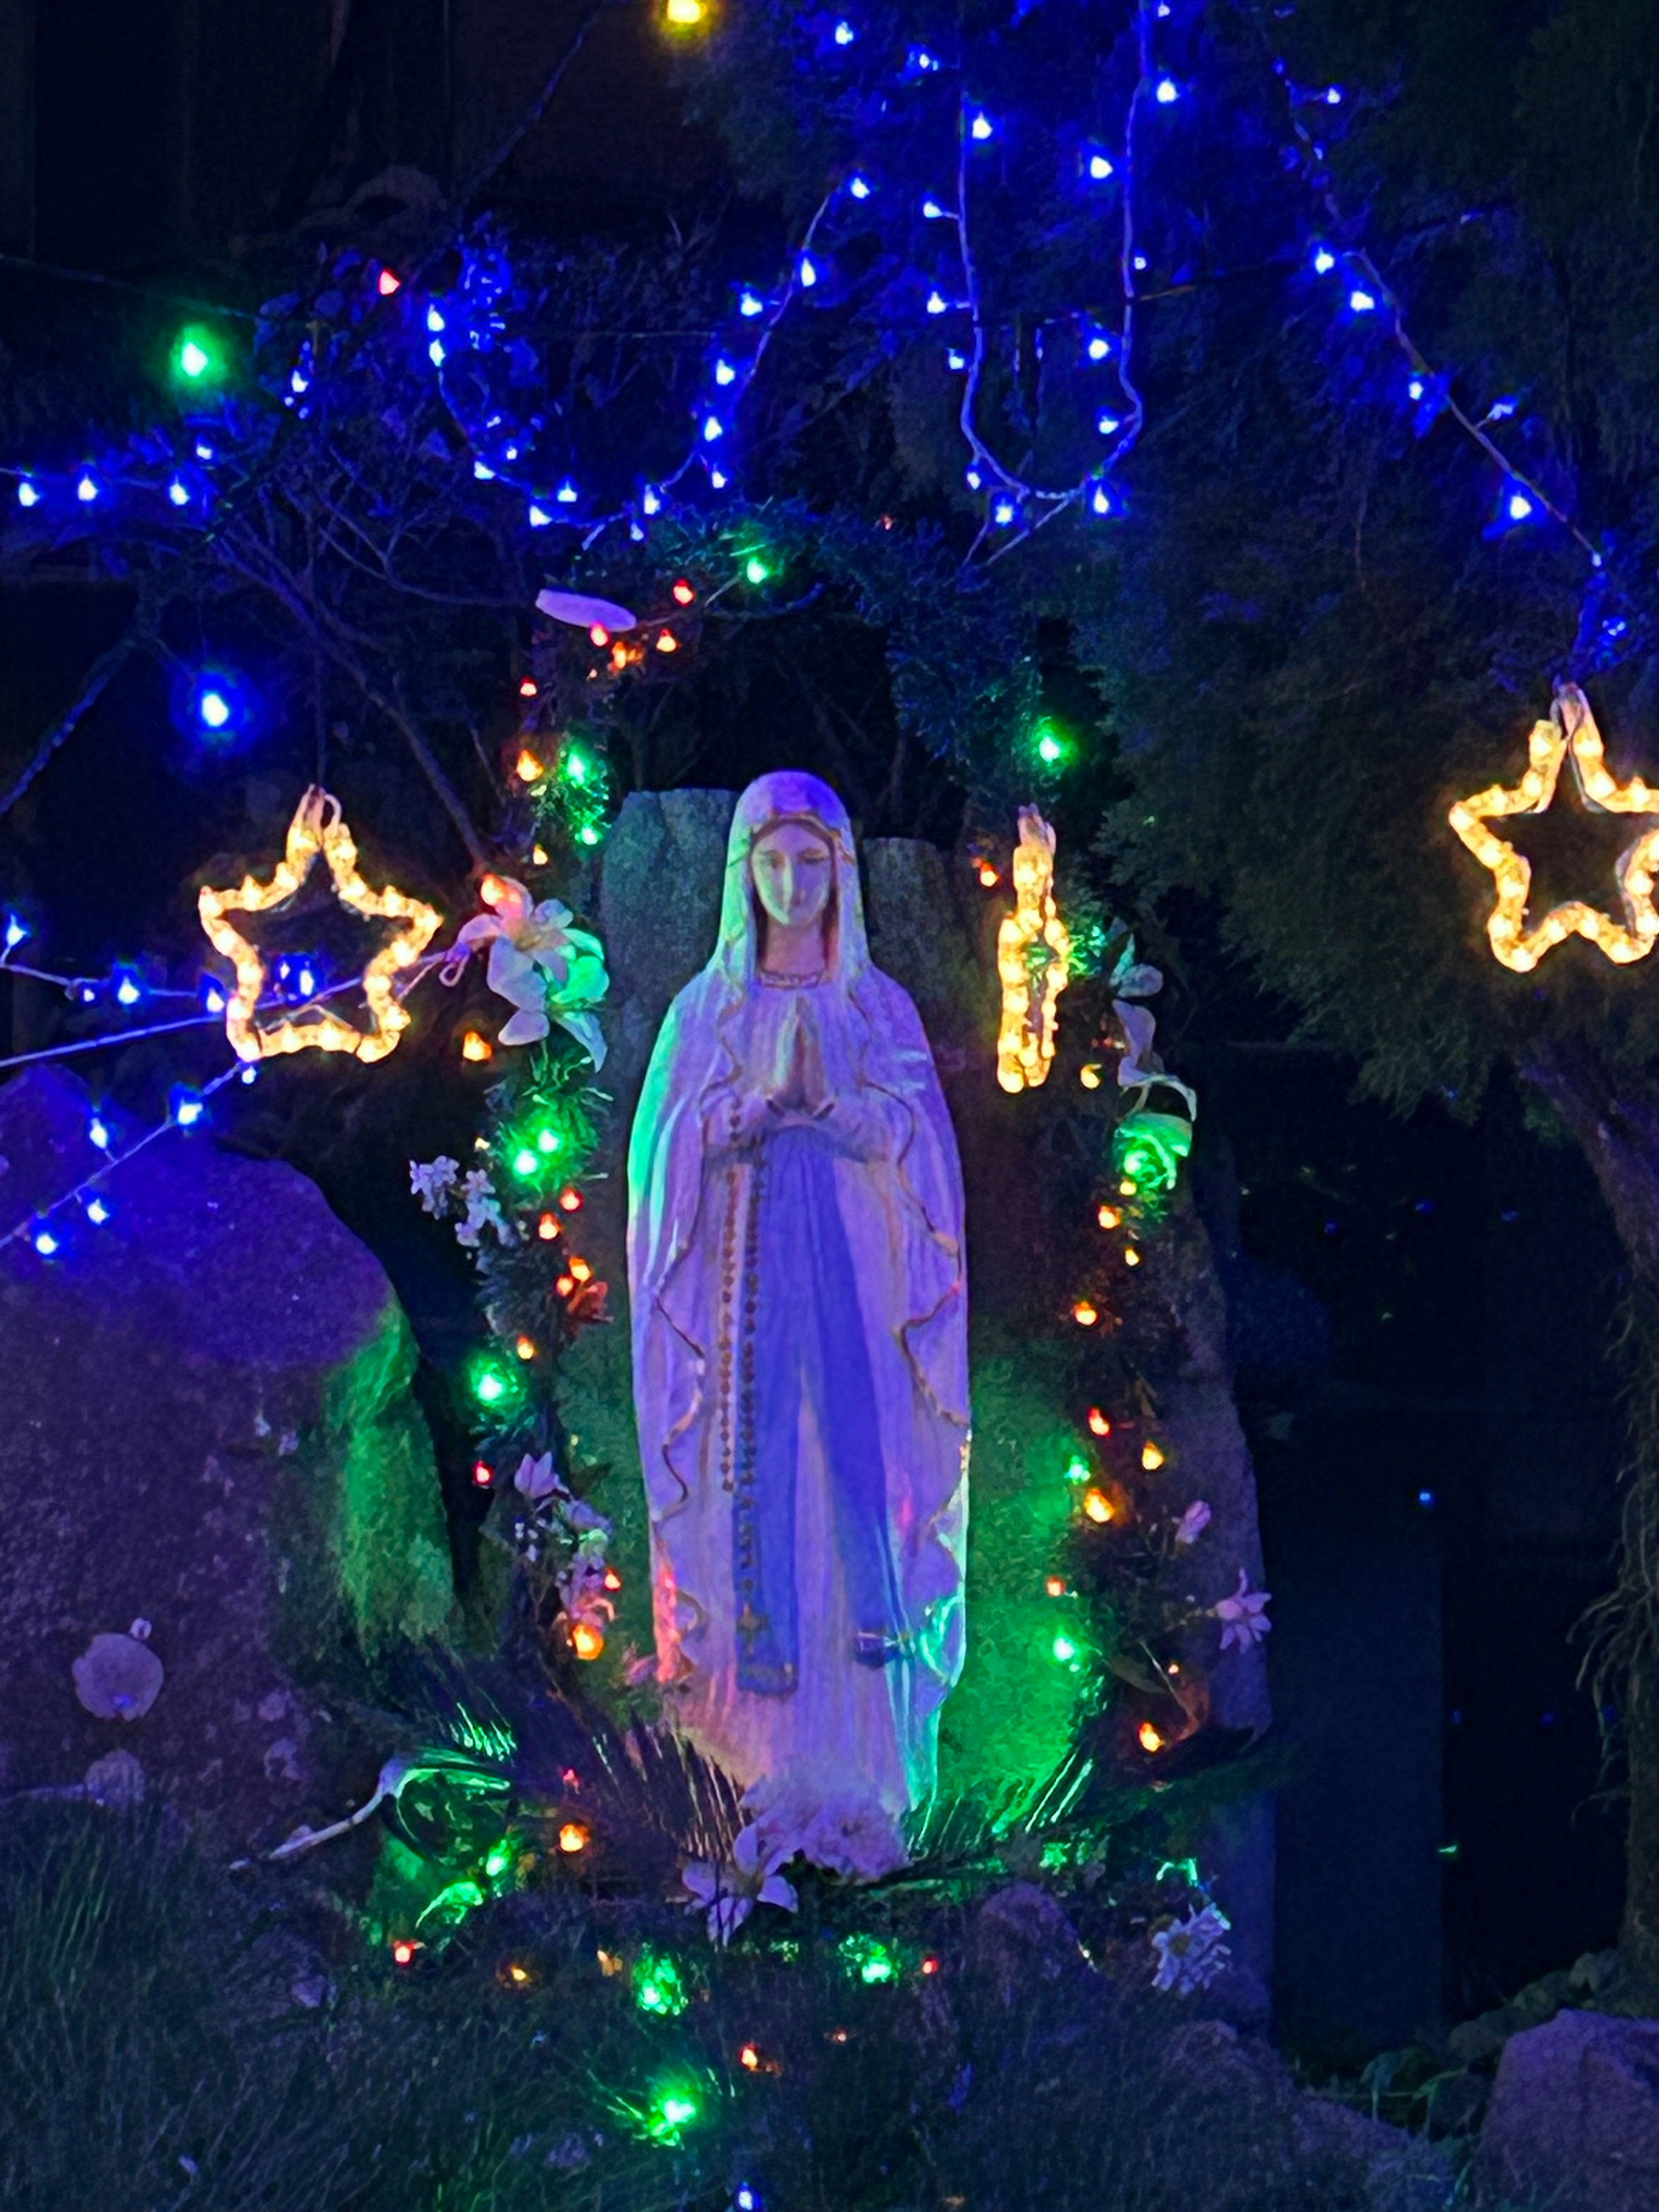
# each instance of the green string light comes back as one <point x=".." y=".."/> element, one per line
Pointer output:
<point x="195" y="357"/>
<point x="658" y="1988"/>
<point x="870" y="1959"/>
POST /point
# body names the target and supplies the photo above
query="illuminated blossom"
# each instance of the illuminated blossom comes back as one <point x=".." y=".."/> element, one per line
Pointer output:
<point x="728" y="1893"/>
<point x="1192" y="1952"/>
<point x="539" y="964"/>
<point x="1243" y="1622"/>
<point x="1192" y="1523"/>
<point x="433" y="1180"/>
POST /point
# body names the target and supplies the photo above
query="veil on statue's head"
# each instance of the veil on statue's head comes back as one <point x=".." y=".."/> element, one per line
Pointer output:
<point x="790" y="795"/>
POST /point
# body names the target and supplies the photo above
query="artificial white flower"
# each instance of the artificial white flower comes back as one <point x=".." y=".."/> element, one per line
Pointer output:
<point x="539" y="964"/>
<point x="433" y="1180"/>
<point x="1192" y="1523"/>
<point x="535" y="1479"/>
<point x="1242" y="1620"/>
<point x="728" y="1894"/>
<point x="1140" y="1066"/>
<point x="484" y="1211"/>
<point x="852" y="1834"/>
<point x="1192" y="1952"/>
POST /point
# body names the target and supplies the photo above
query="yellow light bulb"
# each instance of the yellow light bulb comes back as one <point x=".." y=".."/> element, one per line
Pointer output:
<point x="586" y="1641"/>
<point x="474" y="1047"/>
<point x="1099" y="1507"/>
<point x="1148" y="1737"/>
<point x="525" y="1347"/>
<point x="1108" y="1217"/>
<point x="1151" y="1458"/>
<point x="572" y="1838"/>
<point x="528" y="768"/>
<point x="1131" y="1257"/>
<point x="1089" y="1076"/>
<point x="1084" y="1315"/>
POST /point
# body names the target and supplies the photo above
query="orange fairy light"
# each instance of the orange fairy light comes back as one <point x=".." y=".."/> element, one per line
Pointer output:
<point x="572" y="1838"/>
<point x="565" y="1285"/>
<point x="1085" y="1314"/>
<point x="474" y="1047"/>
<point x="580" y="1272"/>
<point x="667" y="643"/>
<point x="517" y="1975"/>
<point x="525" y="1347"/>
<point x="988" y="876"/>
<point x="1055" y="1586"/>
<point x="570" y="1200"/>
<point x="547" y="1229"/>
<point x="1098" y="1424"/>
<point x="1148" y="1737"/>
<point x="586" y="1641"/>
<point x="748" y="2058"/>
<point x="1108" y="1217"/>
<point x="1099" y="1507"/>
<point x="528" y="768"/>
<point x="492" y="891"/>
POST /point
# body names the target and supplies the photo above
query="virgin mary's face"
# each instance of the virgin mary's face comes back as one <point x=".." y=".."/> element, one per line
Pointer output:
<point x="793" y="871"/>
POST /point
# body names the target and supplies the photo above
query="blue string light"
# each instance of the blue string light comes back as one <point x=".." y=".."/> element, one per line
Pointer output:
<point x="896" y="119"/>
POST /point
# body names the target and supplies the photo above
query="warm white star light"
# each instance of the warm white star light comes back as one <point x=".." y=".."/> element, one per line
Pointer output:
<point x="1571" y="730"/>
<point x="318" y="829"/>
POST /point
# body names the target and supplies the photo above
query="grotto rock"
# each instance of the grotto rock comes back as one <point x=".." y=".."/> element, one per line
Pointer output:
<point x="214" y="1487"/>
<point x="1312" y="2144"/>
<point x="1574" y="2118"/>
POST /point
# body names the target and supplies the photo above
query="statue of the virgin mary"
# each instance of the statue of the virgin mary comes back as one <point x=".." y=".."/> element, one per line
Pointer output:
<point x="800" y="1373"/>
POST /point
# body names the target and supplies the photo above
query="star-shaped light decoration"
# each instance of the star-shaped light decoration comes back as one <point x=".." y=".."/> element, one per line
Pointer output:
<point x="317" y="829"/>
<point x="1571" y="729"/>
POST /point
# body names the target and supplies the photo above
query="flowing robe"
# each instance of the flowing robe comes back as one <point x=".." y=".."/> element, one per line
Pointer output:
<point x="801" y="1365"/>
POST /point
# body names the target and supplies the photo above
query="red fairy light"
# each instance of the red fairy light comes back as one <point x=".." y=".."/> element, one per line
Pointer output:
<point x="570" y="1200"/>
<point x="404" y="1949"/>
<point x="683" y="593"/>
<point x="483" y="1473"/>
<point x="526" y="687"/>
<point x="389" y="282"/>
<point x="599" y="633"/>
